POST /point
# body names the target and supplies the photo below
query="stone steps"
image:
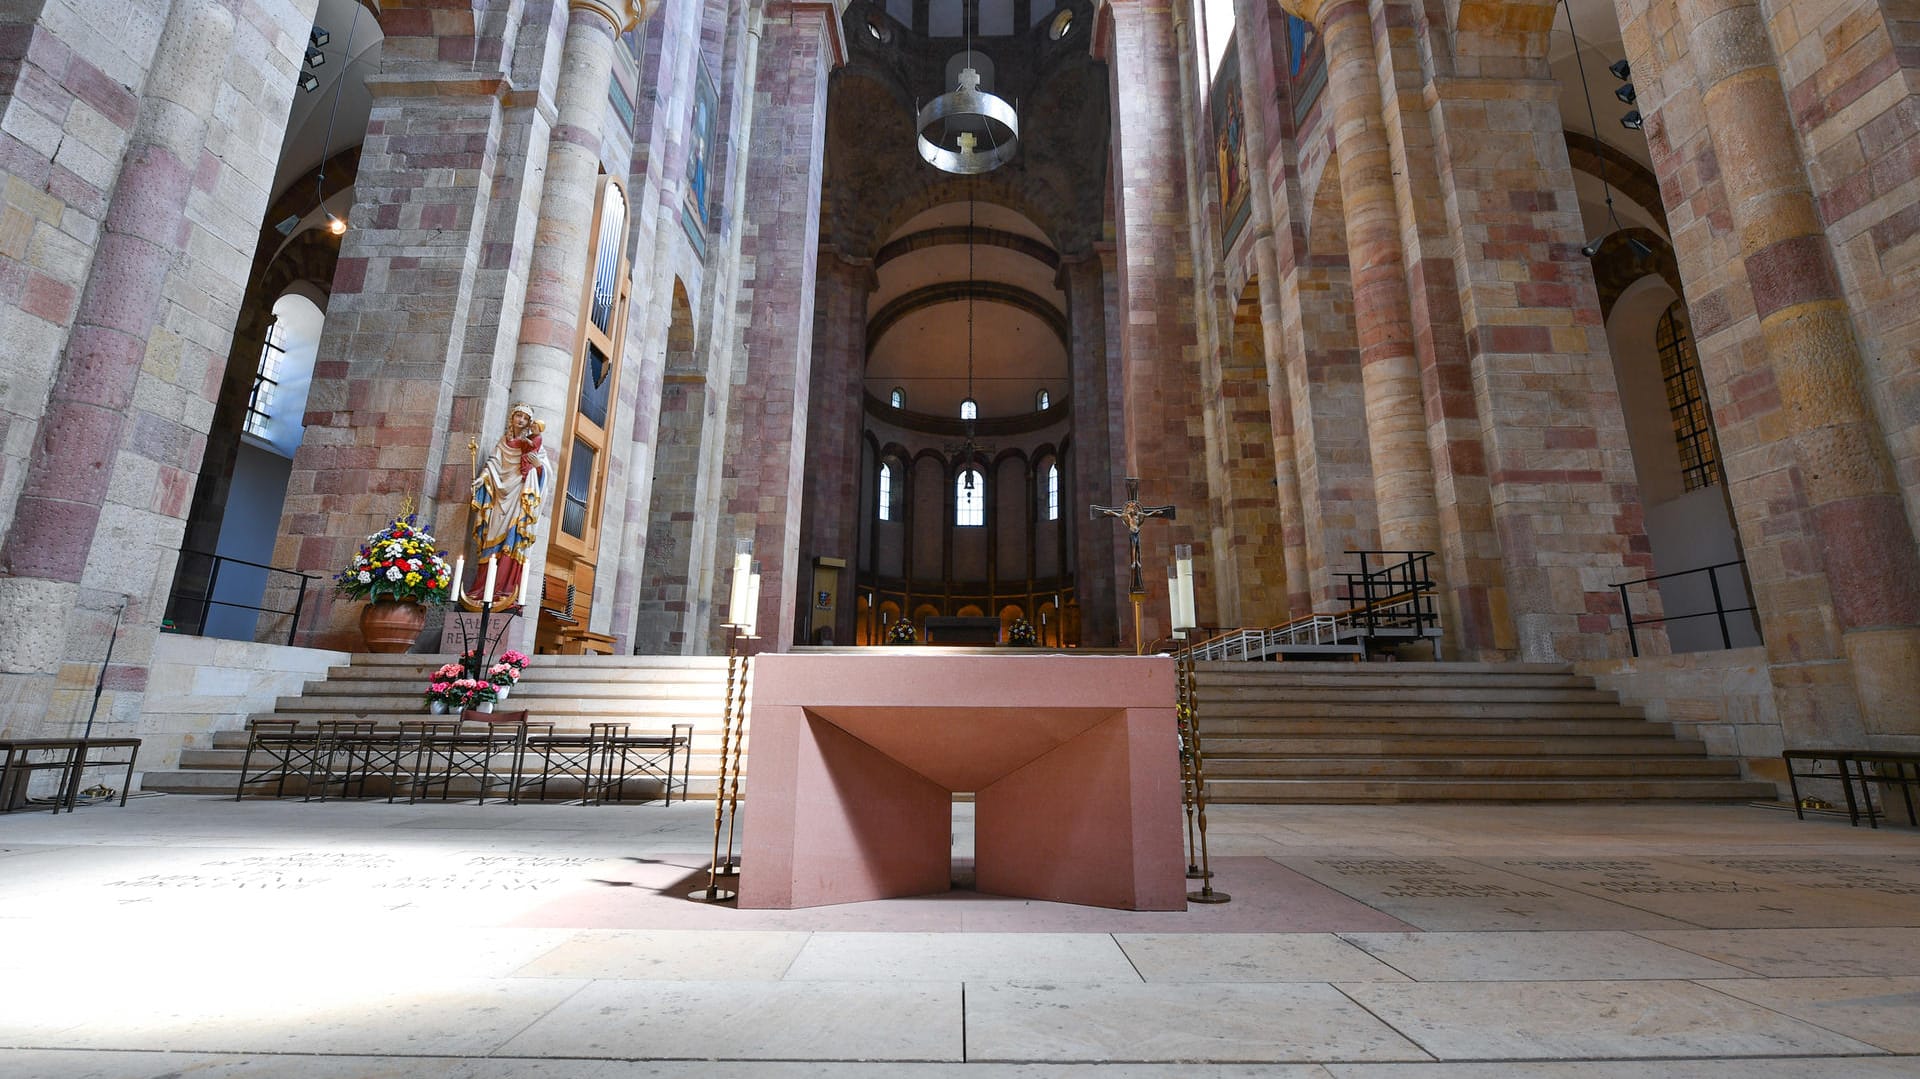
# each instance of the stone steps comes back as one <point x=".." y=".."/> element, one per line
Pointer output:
<point x="651" y="693"/>
<point x="1409" y="732"/>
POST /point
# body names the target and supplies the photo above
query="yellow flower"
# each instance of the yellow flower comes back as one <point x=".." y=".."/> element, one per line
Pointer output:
<point x="413" y="578"/>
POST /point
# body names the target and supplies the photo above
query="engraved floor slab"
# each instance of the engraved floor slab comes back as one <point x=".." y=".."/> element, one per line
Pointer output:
<point x="1519" y="957"/>
<point x="1457" y="893"/>
<point x="1804" y="953"/>
<point x="1778" y="1068"/>
<point x="1713" y="896"/>
<point x="1593" y="1020"/>
<point x="1205" y="1023"/>
<point x="973" y="958"/>
<point x="1884" y="1012"/>
<point x="751" y="1021"/>
<point x="1252" y="957"/>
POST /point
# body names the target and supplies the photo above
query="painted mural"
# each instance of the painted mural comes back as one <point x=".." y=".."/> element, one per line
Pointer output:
<point x="696" y="213"/>
<point x="1306" y="68"/>
<point x="1230" y="148"/>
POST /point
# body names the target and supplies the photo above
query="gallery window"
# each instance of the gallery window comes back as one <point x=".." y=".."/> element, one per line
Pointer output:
<point x="1053" y="492"/>
<point x="898" y="398"/>
<point x="970" y="499"/>
<point x="884" y="509"/>
<point x="1042" y="401"/>
<point x="260" y="403"/>
<point x="1687" y="400"/>
<point x="969" y="409"/>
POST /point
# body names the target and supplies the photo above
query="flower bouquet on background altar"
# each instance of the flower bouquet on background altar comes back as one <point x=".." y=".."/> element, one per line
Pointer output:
<point x="400" y="573"/>
<point x="901" y="632"/>
<point x="1020" y="634"/>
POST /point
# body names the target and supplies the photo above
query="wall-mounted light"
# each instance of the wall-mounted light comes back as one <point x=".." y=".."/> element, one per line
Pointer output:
<point x="1626" y="94"/>
<point x="336" y="225"/>
<point x="316" y="58"/>
<point x="1632" y="121"/>
<point x="318" y="37"/>
<point x="1621" y="70"/>
<point x="308" y="82"/>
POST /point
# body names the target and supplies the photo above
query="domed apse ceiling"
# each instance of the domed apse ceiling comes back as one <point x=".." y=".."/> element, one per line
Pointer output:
<point x="917" y="328"/>
<point x="882" y="202"/>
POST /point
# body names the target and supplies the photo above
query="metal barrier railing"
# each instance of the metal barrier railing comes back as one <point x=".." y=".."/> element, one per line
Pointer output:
<point x="189" y="610"/>
<point x="1719" y="612"/>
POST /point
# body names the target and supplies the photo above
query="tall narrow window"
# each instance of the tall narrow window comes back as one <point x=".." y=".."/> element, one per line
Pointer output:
<point x="970" y="499"/>
<point x="1687" y="400"/>
<point x="885" y="508"/>
<point x="1042" y="401"/>
<point x="1053" y="492"/>
<point x="898" y="398"/>
<point x="969" y="409"/>
<point x="265" y="380"/>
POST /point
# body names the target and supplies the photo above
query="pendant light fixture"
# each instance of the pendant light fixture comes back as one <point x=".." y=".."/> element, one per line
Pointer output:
<point x="960" y="116"/>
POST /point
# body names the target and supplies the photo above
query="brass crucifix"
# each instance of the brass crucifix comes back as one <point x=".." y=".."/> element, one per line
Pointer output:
<point x="1133" y="515"/>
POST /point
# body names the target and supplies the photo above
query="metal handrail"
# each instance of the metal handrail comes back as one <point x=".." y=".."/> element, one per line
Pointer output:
<point x="207" y="603"/>
<point x="1720" y="610"/>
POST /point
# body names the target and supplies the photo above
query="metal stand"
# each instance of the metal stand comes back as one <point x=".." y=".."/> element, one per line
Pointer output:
<point x="713" y="893"/>
<point x="1139" y="643"/>
<point x="732" y="866"/>
<point x="1206" y="894"/>
<point x="1184" y="697"/>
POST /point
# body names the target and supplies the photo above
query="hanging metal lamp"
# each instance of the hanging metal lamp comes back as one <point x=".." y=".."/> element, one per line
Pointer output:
<point x="961" y="110"/>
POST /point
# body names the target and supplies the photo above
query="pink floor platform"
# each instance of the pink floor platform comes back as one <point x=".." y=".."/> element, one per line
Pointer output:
<point x="1073" y="762"/>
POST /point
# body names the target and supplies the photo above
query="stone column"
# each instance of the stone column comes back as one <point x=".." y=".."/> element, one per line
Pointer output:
<point x="1096" y="428"/>
<point x="1165" y="441"/>
<point x="766" y="433"/>
<point x="106" y="466"/>
<point x="1390" y="372"/>
<point x="830" y="512"/>
<point x="1855" y="521"/>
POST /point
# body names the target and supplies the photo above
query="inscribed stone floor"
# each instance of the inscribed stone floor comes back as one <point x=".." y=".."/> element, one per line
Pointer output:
<point x="191" y="936"/>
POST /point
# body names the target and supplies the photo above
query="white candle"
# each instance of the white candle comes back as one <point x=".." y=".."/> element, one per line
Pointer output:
<point x="453" y="586"/>
<point x="750" y="622"/>
<point x="493" y="566"/>
<point x="737" y="612"/>
<point x="524" y="578"/>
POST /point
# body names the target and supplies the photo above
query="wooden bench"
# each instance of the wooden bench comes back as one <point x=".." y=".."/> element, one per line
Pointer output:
<point x="1863" y="766"/>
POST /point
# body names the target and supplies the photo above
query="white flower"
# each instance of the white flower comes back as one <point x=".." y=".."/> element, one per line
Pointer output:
<point x="365" y="577"/>
<point x="394" y="574"/>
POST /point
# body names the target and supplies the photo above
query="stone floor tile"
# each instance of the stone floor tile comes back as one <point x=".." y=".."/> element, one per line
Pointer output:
<point x="1199" y="1023"/>
<point x="351" y="1004"/>
<point x="1883" y="1012"/>
<point x="1588" y="1020"/>
<point x="1443" y="893"/>
<point x="1777" y="1068"/>
<point x="1804" y="953"/>
<point x="751" y="1021"/>
<point x="1714" y="896"/>
<point x="1251" y="957"/>
<point x="1541" y="956"/>
<point x="666" y="955"/>
<point x="971" y="957"/>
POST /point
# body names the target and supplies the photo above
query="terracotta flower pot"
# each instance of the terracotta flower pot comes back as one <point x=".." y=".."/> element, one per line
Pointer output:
<point x="392" y="625"/>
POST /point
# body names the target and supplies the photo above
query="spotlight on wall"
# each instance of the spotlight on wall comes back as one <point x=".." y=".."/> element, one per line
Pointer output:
<point x="308" y="82"/>
<point x="336" y="225"/>
<point x="1592" y="247"/>
<point x="1626" y="94"/>
<point x="316" y="58"/>
<point x="1621" y="70"/>
<point x="318" y="37"/>
<point x="1632" y="121"/>
<point x="1639" y="247"/>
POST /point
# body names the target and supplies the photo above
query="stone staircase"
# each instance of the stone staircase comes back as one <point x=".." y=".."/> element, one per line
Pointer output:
<point x="1305" y="732"/>
<point x="650" y="692"/>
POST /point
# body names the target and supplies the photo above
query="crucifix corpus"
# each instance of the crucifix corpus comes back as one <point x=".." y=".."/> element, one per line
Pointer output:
<point x="1133" y="515"/>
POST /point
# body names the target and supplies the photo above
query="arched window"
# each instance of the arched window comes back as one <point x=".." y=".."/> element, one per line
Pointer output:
<point x="969" y="409"/>
<point x="885" y="508"/>
<point x="898" y="398"/>
<point x="1042" y="401"/>
<point x="970" y="499"/>
<point x="1687" y="399"/>
<point x="1053" y="492"/>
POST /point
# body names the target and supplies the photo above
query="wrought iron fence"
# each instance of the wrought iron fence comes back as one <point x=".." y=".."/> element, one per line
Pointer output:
<point x="1719" y="612"/>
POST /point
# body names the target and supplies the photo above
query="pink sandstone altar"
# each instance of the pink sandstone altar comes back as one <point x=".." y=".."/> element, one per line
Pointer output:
<point x="1073" y="762"/>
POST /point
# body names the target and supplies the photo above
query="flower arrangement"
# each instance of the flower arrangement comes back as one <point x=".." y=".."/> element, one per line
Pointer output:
<point x="902" y="632"/>
<point x="469" y="693"/>
<point x="1020" y="634"/>
<point x="399" y="562"/>
<point x="515" y="659"/>
<point x="440" y="684"/>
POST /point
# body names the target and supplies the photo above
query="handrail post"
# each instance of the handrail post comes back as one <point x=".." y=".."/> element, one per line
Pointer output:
<point x="1626" y="608"/>
<point x="206" y="601"/>
<point x="1719" y="609"/>
<point x="299" y="601"/>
